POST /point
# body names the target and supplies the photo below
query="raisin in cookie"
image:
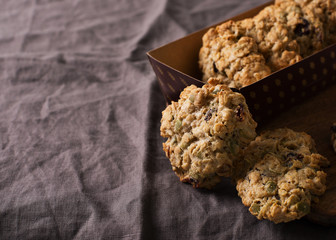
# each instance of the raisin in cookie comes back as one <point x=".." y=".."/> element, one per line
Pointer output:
<point x="333" y="136"/>
<point x="284" y="177"/>
<point x="206" y="130"/>
<point x="232" y="57"/>
<point x="269" y="29"/>
<point x="243" y="52"/>
<point x="325" y="11"/>
<point x="303" y="25"/>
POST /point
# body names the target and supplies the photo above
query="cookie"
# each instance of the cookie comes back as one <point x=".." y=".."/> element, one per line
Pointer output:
<point x="206" y="130"/>
<point x="243" y="52"/>
<point x="228" y="55"/>
<point x="274" y="38"/>
<point x="325" y="12"/>
<point x="303" y="26"/>
<point x="333" y="136"/>
<point x="283" y="177"/>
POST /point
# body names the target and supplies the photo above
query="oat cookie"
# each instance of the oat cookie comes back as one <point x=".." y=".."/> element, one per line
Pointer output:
<point x="325" y="11"/>
<point x="303" y="25"/>
<point x="284" y="177"/>
<point x="243" y="52"/>
<point x="206" y="130"/>
<point x="259" y="44"/>
<point x="232" y="57"/>
<point x="274" y="37"/>
<point x="333" y="136"/>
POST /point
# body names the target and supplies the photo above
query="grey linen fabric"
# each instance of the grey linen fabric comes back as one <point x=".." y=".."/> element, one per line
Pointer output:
<point x="80" y="107"/>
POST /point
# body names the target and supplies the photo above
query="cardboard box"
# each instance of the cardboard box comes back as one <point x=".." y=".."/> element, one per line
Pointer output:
<point x="176" y="66"/>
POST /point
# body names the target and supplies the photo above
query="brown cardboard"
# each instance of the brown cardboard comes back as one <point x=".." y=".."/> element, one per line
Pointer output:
<point x="176" y="66"/>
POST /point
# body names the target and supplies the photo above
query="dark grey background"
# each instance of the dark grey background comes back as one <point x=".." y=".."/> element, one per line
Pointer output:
<point x="80" y="110"/>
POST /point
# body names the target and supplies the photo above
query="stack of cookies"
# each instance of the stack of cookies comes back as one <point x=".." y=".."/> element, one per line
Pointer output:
<point x="211" y="134"/>
<point x="243" y="52"/>
<point x="210" y="131"/>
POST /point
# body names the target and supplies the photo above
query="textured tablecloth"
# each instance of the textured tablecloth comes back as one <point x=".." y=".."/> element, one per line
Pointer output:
<point x="80" y="107"/>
